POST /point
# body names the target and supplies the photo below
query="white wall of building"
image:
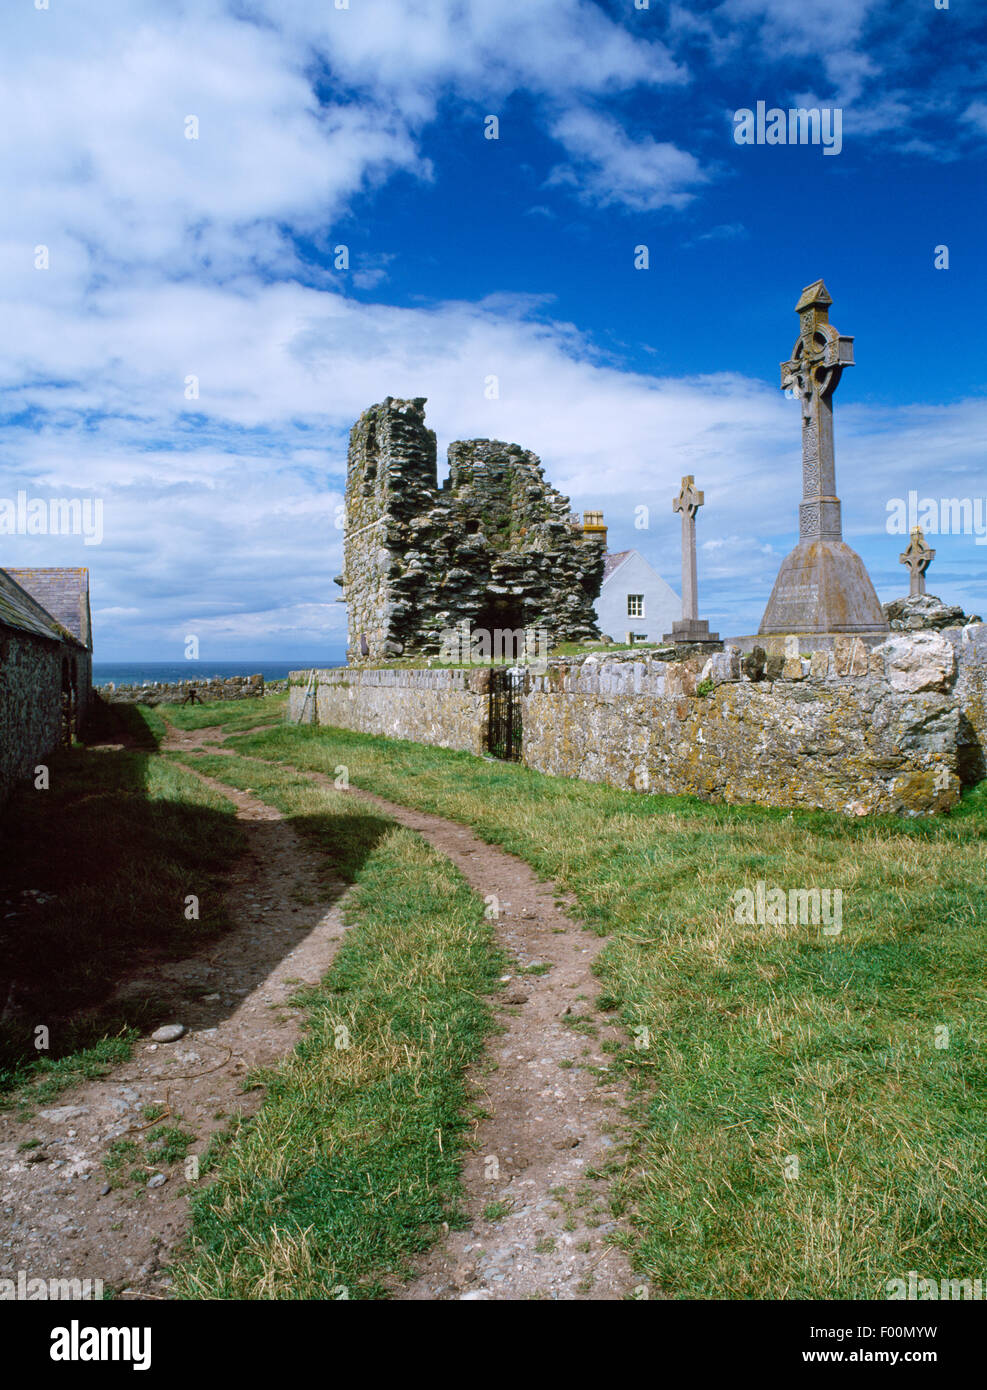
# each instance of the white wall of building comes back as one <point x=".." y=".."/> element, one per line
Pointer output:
<point x="662" y="605"/>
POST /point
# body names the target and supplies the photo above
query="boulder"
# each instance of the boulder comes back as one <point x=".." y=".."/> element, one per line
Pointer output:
<point x="924" y="613"/>
<point x="919" y="661"/>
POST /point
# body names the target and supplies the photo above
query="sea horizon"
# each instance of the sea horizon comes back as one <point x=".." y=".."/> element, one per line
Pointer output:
<point x="169" y="672"/>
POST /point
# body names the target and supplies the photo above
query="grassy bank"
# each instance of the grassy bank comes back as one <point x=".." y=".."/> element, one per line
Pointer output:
<point x="352" y="1162"/>
<point x="96" y="872"/>
<point x="813" y="1106"/>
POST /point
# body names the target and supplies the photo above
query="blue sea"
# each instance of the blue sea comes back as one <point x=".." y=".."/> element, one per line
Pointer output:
<point x="137" y="672"/>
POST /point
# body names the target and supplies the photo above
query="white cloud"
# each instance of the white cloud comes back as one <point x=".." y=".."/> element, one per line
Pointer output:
<point x="609" y="167"/>
<point x="230" y="530"/>
<point x="976" y="115"/>
<point x="219" y="511"/>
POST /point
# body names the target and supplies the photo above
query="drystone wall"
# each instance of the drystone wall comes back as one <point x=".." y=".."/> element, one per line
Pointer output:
<point x="161" y="693"/>
<point x="30" y="704"/>
<point x="494" y="547"/>
<point x="847" y="730"/>
<point x="444" y="707"/>
<point x="896" y="728"/>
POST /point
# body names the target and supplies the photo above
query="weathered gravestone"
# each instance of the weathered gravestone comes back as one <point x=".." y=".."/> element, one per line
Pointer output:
<point x="692" y="628"/>
<point x="822" y="586"/>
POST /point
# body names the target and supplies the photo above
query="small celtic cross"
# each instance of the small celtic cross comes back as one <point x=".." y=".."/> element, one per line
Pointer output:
<point x="690" y="499"/>
<point x="918" y="557"/>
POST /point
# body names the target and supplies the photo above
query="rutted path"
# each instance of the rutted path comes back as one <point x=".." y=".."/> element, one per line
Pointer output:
<point x="539" y="1224"/>
<point x="56" y="1219"/>
<point x="539" y="1220"/>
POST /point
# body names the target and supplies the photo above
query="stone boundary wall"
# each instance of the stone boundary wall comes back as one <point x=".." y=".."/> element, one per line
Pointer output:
<point x="847" y="730"/>
<point x="896" y="728"/>
<point x="444" y="707"/>
<point x="162" y="693"/>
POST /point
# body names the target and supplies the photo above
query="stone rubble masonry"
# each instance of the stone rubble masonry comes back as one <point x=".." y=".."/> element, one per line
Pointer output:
<point x="970" y="648"/>
<point x="495" y="546"/>
<point x="896" y="728"/>
<point x="30" y="704"/>
<point x="162" y="693"/>
<point x="924" y="612"/>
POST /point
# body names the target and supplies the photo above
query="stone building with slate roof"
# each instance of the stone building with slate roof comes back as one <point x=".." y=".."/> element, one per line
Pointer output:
<point x="494" y="547"/>
<point x="45" y="665"/>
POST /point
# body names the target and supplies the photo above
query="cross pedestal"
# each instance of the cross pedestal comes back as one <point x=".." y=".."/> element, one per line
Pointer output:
<point x="692" y="629"/>
<point x="823" y="585"/>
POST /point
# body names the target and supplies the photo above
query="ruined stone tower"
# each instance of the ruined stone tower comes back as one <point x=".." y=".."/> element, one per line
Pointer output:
<point x="494" y="547"/>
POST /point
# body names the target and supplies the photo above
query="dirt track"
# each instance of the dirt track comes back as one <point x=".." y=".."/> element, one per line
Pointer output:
<point x="553" y="1113"/>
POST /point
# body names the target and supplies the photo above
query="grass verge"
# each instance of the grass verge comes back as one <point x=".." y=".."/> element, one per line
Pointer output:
<point x="352" y="1163"/>
<point x="812" y="1107"/>
<point x="97" y="871"/>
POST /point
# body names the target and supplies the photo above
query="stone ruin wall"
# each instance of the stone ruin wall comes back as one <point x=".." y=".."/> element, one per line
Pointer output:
<point x="898" y="728"/>
<point x="494" y="546"/>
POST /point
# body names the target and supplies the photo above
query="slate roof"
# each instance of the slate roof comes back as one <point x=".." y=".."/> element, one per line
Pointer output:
<point x="19" y="610"/>
<point x="613" y="562"/>
<point x="63" y="594"/>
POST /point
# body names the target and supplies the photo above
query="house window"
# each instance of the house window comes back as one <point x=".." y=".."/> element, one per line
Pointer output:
<point x="635" y="605"/>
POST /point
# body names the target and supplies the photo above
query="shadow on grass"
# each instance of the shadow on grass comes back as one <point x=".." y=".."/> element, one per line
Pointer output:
<point x="94" y="938"/>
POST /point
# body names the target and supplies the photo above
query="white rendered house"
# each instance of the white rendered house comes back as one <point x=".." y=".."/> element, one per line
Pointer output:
<point x="634" y="598"/>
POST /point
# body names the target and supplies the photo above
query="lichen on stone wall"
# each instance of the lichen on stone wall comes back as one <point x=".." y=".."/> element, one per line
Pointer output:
<point x="898" y="728"/>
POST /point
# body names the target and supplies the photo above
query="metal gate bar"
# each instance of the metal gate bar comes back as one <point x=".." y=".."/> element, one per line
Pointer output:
<point x="504" y="723"/>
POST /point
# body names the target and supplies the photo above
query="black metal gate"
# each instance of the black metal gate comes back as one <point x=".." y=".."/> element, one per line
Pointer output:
<point x="504" y="724"/>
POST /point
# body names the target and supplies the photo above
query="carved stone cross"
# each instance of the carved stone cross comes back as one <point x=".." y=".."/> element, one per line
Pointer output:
<point x="691" y="629"/>
<point x="812" y="374"/>
<point x="688" y="502"/>
<point x="918" y="557"/>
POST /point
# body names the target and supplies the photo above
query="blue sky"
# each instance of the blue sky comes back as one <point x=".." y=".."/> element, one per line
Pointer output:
<point x="171" y="258"/>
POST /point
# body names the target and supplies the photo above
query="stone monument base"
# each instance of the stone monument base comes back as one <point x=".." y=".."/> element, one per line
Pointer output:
<point x="691" y="631"/>
<point x="823" y="587"/>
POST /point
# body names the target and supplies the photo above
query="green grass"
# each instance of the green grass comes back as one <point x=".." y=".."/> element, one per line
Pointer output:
<point x="351" y="1165"/>
<point x="233" y="715"/>
<point x="763" y="1044"/>
<point x="98" y="869"/>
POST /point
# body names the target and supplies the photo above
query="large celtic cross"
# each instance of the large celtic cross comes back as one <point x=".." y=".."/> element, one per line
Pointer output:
<point x="812" y="374"/>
